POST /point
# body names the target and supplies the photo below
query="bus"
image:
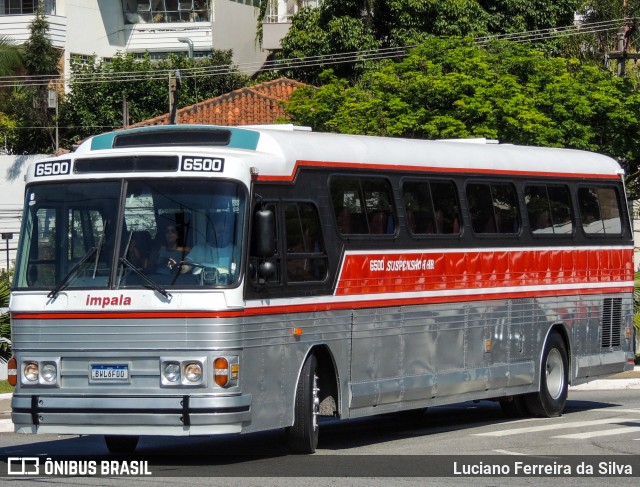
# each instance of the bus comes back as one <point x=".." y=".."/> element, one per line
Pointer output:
<point x="199" y="280"/>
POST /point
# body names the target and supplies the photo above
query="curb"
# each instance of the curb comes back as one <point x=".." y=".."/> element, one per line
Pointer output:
<point x="6" y="426"/>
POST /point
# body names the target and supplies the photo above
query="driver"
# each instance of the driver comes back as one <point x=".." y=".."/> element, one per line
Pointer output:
<point x="217" y="251"/>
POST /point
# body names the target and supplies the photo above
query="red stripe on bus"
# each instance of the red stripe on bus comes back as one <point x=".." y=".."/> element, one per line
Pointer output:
<point x="432" y="169"/>
<point x="381" y="273"/>
<point x="322" y="306"/>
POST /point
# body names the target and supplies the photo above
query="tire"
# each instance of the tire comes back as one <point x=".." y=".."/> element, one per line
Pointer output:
<point x="121" y="444"/>
<point x="516" y="407"/>
<point x="303" y="435"/>
<point x="554" y="379"/>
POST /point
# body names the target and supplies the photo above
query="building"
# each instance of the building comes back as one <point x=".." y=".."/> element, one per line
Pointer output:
<point x="259" y="104"/>
<point x="277" y="20"/>
<point x="83" y="28"/>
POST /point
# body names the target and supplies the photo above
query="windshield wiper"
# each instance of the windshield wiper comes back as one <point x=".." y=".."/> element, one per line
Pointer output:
<point x="71" y="274"/>
<point x="145" y="278"/>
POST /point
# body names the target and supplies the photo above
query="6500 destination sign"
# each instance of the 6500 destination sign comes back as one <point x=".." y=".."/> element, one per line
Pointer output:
<point x="202" y="164"/>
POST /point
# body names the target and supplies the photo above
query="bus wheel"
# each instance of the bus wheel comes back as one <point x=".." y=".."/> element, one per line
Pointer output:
<point x="551" y="398"/>
<point x="121" y="444"/>
<point x="303" y="435"/>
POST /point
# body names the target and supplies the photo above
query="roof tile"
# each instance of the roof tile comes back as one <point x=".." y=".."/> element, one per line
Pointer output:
<point x="256" y="105"/>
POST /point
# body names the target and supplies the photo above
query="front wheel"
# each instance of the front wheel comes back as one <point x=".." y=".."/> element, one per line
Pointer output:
<point x="303" y="435"/>
<point x="554" y="379"/>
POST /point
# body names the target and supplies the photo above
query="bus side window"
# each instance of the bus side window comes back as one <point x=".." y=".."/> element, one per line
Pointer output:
<point x="493" y="208"/>
<point x="363" y="206"/>
<point x="431" y="207"/>
<point x="600" y="211"/>
<point x="549" y="209"/>
<point x="306" y="256"/>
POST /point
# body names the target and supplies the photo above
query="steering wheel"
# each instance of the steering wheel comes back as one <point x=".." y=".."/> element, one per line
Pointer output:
<point x="207" y="274"/>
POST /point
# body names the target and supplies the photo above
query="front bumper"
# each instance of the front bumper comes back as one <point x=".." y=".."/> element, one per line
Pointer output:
<point x="145" y="415"/>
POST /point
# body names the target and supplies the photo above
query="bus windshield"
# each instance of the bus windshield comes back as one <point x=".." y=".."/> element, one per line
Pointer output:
<point x="136" y="233"/>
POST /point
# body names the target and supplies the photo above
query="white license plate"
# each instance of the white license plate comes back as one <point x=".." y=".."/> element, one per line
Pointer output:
<point x="109" y="372"/>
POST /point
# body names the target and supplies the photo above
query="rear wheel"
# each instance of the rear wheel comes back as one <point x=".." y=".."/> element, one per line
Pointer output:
<point x="303" y="435"/>
<point x="554" y="379"/>
<point x="121" y="444"/>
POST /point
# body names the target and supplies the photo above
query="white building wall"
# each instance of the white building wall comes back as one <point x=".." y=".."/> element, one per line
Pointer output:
<point x="235" y="27"/>
<point x="13" y="171"/>
<point x="98" y="27"/>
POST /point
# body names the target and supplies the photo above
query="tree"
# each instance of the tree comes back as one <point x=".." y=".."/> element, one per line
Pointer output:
<point x="596" y="11"/>
<point x="28" y="104"/>
<point x="97" y="90"/>
<point x="11" y="63"/>
<point x="454" y="89"/>
<point x="340" y="26"/>
<point x="11" y="60"/>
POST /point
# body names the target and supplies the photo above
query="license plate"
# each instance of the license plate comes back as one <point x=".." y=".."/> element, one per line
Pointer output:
<point x="110" y="372"/>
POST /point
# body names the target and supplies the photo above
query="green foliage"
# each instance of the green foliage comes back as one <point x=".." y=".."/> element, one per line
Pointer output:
<point x="11" y="59"/>
<point x="95" y="101"/>
<point x="5" y="326"/>
<point x="338" y="26"/>
<point x="28" y="107"/>
<point x="450" y="88"/>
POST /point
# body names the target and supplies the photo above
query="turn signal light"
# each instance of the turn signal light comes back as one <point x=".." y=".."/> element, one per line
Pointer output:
<point x="221" y="371"/>
<point x="12" y="371"/>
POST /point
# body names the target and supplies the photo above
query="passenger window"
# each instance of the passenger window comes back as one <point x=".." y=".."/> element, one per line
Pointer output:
<point x="493" y="208"/>
<point x="363" y="206"/>
<point x="600" y="211"/>
<point x="549" y="209"/>
<point x="306" y="256"/>
<point x="431" y="207"/>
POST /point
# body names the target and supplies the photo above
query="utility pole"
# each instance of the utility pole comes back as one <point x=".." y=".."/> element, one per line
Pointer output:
<point x="125" y="112"/>
<point x="174" y="89"/>
<point x="624" y="39"/>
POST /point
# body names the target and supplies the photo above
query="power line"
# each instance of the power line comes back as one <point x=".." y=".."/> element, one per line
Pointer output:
<point x="302" y="62"/>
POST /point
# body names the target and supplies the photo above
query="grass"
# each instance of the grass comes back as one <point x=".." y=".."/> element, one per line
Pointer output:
<point x="5" y="387"/>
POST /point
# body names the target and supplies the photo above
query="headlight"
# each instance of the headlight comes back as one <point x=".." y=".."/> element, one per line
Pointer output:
<point x="172" y="372"/>
<point x="31" y="371"/>
<point x="49" y="372"/>
<point x="193" y="372"/>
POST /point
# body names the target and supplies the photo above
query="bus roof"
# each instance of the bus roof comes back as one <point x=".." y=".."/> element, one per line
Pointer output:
<point x="289" y="147"/>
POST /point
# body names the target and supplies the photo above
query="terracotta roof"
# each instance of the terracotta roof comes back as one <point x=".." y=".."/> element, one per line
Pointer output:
<point x="254" y="105"/>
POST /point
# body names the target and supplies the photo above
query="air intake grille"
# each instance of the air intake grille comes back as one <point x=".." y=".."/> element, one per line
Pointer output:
<point x="611" y="322"/>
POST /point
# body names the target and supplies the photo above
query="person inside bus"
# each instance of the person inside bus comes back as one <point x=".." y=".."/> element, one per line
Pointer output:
<point x="171" y="252"/>
<point x="140" y="249"/>
<point x="217" y="251"/>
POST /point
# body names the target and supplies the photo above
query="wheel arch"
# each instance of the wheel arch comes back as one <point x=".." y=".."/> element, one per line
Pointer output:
<point x="561" y="328"/>
<point x="328" y="380"/>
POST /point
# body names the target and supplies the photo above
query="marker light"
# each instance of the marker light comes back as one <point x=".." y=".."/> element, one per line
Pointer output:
<point x="221" y="371"/>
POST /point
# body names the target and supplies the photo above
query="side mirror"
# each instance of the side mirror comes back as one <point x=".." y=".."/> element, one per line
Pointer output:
<point x="266" y="270"/>
<point x="264" y="226"/>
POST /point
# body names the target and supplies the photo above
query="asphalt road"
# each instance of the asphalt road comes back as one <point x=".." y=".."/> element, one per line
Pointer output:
<point x="601" y="425"/>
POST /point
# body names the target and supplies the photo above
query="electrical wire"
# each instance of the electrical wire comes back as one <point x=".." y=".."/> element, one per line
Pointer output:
<point x="299" y="63"/>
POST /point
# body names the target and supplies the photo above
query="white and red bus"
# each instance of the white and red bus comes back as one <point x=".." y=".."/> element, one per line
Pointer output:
<point x="200" y="280"/>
